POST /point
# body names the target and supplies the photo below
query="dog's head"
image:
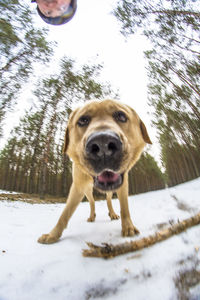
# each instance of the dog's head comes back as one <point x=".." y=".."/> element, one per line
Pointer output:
<point x="105" y="139"/>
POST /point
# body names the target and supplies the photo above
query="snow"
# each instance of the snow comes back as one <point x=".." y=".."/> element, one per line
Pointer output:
<point x="7" y="192"/>
<point x="32" y="271"/>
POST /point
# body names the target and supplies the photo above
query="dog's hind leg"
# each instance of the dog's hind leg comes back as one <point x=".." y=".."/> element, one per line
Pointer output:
<point x="89" y="195"/>
<point x="111" y="213"/>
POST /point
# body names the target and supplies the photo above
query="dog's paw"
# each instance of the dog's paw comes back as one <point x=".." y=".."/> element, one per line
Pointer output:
<point x="128" y="229"/>
<point x="91" y="218"/>
<point x="47" y="239"/>
<point x="113" y="216"/>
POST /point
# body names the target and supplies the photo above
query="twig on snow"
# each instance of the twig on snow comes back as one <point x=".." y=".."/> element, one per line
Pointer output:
<point x="109" y="250"/>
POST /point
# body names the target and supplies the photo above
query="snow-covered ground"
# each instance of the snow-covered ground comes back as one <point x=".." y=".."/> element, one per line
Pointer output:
<point x="7" y="192"/>
<point x="166" y="271"/>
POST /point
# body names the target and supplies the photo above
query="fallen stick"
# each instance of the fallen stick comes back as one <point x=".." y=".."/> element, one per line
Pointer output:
<point x="109" y="250"/>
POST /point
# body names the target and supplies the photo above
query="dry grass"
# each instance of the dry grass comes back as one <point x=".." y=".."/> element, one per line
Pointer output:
<point x="31" y="198"/>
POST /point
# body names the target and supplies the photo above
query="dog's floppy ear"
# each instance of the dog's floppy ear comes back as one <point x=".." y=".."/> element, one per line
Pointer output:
<point x="142" y="128"/>
<point x="66" y="140"/>
<point x="145" y="133"/>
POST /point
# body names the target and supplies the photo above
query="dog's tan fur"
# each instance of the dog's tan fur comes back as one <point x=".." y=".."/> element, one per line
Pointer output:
<point x="134" y="137"/>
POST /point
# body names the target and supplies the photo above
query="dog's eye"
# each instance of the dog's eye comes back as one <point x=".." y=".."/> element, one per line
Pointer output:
<point x="120" y="116"/>
<point x="84" y="121"/>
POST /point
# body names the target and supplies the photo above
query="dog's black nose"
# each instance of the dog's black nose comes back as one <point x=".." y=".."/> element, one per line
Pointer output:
<point x="104" y="150"/>
<point x="103" y="144"/>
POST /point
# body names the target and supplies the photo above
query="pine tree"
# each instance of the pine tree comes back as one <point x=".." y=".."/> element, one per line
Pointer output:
<point x="145" y="176"/>
<point x="21" y="46"/>
<point x="172" y="27"/>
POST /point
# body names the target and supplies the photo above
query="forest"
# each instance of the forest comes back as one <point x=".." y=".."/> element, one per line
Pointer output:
<point x="31" y="161"/>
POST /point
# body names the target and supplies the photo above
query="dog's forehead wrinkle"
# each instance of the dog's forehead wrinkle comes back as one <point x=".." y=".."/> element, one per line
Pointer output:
<point x="94" y="108"/>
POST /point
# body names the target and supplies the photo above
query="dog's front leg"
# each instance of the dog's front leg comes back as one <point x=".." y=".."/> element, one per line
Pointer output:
<point x="90" y="197"/>
<point x="75" y="197"/>
<point x="128" y="229"/>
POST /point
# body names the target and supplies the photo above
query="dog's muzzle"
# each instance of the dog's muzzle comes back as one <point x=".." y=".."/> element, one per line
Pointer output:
<point x="104" y="153"/>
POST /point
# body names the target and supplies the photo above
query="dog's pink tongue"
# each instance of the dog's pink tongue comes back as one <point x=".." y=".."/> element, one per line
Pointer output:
<point x="108" y="176"/>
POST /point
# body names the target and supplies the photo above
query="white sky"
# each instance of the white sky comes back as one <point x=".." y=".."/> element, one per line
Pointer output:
<point x="93" y="36"/>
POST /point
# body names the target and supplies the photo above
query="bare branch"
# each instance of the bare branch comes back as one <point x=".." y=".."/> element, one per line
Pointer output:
<point x="110" y="251"/>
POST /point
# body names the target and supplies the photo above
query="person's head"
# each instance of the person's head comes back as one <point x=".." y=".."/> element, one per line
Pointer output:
<point x="56" y="12"/>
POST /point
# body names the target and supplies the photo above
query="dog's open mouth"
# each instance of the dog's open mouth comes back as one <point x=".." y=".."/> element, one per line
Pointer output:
<point x="108" y="180"/>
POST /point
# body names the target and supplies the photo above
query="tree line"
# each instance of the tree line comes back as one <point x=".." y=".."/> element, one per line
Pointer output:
<point x="173" y="66"/>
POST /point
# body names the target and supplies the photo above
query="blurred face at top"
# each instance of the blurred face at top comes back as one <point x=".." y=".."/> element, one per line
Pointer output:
<point x="53" y="8"/>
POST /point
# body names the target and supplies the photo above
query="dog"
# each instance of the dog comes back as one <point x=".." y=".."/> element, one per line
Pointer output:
<point x="104" y="139"/>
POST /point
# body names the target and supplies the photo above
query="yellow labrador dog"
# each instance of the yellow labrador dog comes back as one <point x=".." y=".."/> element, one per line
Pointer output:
<point x="104" y="139"/>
